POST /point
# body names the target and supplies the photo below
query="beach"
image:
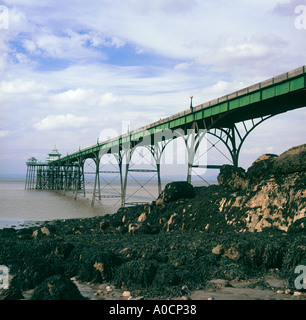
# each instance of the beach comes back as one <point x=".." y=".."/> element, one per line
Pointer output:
<point x="241" y="239"/>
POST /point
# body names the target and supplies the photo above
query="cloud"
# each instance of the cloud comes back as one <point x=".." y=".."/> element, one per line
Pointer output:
<point x="169" y="6"/>
<point x="243" y="51"/>
<point x="5" y="133"/>
<point x="70" y="45"/>
<point x="60" y="122"/>
<point x="286" y="8"/>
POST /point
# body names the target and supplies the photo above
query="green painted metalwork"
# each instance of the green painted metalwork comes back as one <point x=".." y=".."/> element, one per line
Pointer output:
<point x="270" y="97"/>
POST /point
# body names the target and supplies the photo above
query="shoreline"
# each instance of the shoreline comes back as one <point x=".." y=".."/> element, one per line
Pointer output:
<point x="244" y="238"/>
<point x="59" y="246"/>
<point x="19" y="224"/>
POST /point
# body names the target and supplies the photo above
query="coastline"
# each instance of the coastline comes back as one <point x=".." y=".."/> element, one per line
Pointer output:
<point x="241" y="239"/>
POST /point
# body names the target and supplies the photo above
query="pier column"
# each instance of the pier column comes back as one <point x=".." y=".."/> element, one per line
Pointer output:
<point x="192" y="141"/>
<point x="97" y="181"/>
<point x="79" y="178"/>
<point x="125" y="154"/>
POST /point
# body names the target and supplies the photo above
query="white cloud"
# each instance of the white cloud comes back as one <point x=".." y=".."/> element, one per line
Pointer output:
<point x="77" y="95"/>
<point x="60" y="122"/>
<point x="71" y="45"/>
<point x="5" y="133"/>
<point x="169" y="6"/>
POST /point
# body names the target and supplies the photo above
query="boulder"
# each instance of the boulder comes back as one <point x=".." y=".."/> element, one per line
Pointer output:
<point x="262" y="167"/>
<point x="63" y="249"/>
<point x="57" y="288"/>
<point x="233" y="178"/>
<point x="292" y="160"/>
<point x="104" y="225"/>
<point x="174" y="191"/>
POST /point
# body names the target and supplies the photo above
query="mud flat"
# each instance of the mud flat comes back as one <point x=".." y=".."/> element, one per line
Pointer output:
<point x="241" y="239"/>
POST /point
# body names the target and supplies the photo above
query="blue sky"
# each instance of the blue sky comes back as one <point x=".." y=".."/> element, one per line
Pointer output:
<point x="70" y="69"/>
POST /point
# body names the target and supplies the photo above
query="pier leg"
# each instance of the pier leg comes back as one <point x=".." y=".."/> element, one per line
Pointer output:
<point x="192" y="142"/>
<point x="97" y="181"/>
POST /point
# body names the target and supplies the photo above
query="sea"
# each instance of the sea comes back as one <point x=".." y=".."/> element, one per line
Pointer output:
<point x="20" y="207"/>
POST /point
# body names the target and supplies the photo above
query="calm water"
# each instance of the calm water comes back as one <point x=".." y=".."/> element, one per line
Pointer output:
<point x="20" y="207"/>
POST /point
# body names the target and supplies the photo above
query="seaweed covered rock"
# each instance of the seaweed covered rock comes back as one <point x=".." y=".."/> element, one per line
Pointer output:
<point x="96" y="264"/>
<point x="57" y="288"/>
<point x="174" y="191"/>
<point x="11" y="293"/>
<point x="292" y="160"/>
<point x="135" y="274"/>
<point x="298" y="226"/>
<point x="233" y="178"/>
<point x="261" y="167"/>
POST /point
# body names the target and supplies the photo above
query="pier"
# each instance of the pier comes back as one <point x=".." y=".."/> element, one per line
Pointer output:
<point x="230" y="119"/>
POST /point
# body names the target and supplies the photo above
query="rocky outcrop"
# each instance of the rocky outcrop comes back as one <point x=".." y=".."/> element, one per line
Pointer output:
<point x="57" y="288"/>
<point x="251" y="224"/>
<point x="233" y="178"/>
<point x="273" y="192"/>
<point x="293" y="160"/>
<point x="174" y="191"/>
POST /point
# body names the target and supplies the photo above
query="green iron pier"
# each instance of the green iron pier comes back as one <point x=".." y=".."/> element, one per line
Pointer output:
<point x="220" y="118"/>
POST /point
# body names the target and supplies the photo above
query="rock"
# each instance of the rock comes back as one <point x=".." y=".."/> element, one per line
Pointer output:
<point x="45" y="230"/>
<point x="11" y="293"/>
<point x="126" y="294"/>
<point x="99" y="266"/>
<point x="40" y="232"/>
<point x="220" y="283"/>
<point x="218" y="250"/>
<point x="233" y="178"/>
<point x="293" y="160"/>
<point x="298" y="226"/>
<point x="140" y="228"/>
<point x="287" y="291"/>
<point x="174" y="191"/>
<point x="109" y="288"/>
<point x="133" y="227"/>
<point x="261" y="167"/>
<point x="135" y="274"/>
<point x="142" y="217"/>
<point x="104" y="225"/>
<point x="35" y="233"/>
<point x="171" y="221"/>
<point x="96" y="265"/>
<point x="63" y="249"/>
<point x="57" y="288"/>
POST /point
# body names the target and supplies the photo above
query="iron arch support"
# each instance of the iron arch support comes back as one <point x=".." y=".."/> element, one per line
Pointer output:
<point x="233" y="139"/>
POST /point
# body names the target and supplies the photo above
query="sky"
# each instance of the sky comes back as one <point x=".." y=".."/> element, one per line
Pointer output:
<point x="75" y="71"/>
